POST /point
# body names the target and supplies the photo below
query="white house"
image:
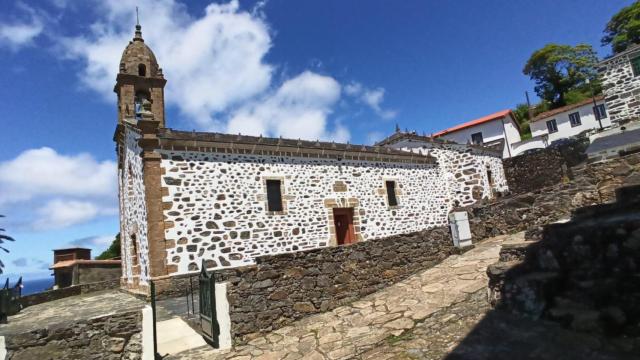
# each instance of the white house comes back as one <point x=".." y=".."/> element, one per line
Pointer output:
<point x="570" y="120"/>
<point x="499" y="129"/>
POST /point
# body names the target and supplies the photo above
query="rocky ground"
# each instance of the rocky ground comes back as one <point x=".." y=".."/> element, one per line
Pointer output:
<point x="354" y="330"/>
<point x="441" y="313"/>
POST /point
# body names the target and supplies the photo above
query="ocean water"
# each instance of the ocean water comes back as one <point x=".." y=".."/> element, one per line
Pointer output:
<point x="31" y="286"/>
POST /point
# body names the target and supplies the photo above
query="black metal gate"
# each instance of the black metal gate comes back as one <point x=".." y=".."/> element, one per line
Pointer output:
<point x="208" y="318"/>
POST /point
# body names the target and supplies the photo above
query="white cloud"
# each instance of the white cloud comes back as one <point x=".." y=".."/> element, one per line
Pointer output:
<point x="22" y="32"/>
<point x="212" y="62"/>
<point x="58" y="214"/>
<point x="54" y="191"/>
<point x="371" y="97"/>
<point x="214" y="65"/>
<point x="298" y="109"/>
<point x="43" y="171"/>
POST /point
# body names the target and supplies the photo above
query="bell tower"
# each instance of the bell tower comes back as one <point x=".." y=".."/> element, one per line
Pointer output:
<point x="139" y="79"/>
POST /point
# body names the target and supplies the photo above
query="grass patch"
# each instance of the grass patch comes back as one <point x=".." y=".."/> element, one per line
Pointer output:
<point x="407" y="335"/>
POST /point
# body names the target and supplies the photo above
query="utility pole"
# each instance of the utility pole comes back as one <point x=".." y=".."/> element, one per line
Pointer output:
<point x="526" y="94"/>
<point x="595" y="105"/>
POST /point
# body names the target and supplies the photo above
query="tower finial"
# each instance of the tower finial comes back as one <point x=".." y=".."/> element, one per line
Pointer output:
<point x="397" y="128"/>
<point x="138" y="35"/>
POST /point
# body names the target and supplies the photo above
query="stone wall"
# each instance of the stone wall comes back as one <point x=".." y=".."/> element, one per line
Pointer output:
<point x="283" y="288"/>
<point x="116" y="336"/>
<point x="133" y="214"/>
<point x="215" y="204"/>
<point x="621" y="88"/>
<point x="534" y="171"/>
<point x="582" y="274"/>
<point x="592" y="184"/>
<point x="50" y="295"/>
<point x="545" y="167"/>
<point x="468" y="174"/>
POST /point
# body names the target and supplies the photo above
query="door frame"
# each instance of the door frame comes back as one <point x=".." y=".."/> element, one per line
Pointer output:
<point x="348" y="212"/>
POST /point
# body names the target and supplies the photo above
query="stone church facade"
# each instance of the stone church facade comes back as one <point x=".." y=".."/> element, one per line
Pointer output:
<point x="189" y="197"/>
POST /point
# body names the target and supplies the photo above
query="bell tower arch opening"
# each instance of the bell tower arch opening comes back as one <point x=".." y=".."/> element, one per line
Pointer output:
<point x="140" y="78"/>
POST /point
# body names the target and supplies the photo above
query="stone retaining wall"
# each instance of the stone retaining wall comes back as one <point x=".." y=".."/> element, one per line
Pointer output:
<point x="116" y="336"/>
<point x="592" y="184"/>
<point x="50" y="295"/>
<point x="534" y="171"/>
<point x="582" y="273"/>
<point x="546" y="167"/>
<point x="281" y="289"/>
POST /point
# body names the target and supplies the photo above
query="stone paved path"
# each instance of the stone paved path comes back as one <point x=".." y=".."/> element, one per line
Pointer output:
<point x="353" y="330"/>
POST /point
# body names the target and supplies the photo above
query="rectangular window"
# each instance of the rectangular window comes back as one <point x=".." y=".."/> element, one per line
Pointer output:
<point x="274" y="195"/>
<point x="635" y="65"/>
<point x="552" y="126"/>
<point x="600" y="111"/>
<point x="391" y="193"/>
<point x="476" y="138"/>
<point x="574" y="119"/>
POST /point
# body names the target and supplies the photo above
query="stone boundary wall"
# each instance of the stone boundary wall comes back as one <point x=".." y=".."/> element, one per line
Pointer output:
<point x="593" y="184"/>
<point x="546" y="167"/>
<point x="50" y="295"/>
<point x="283" y="288"/>
<point x="115" y="336"/>
<point x="534" y="171"/>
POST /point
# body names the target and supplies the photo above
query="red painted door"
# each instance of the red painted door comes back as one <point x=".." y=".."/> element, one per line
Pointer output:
<point x="343" y="221"/>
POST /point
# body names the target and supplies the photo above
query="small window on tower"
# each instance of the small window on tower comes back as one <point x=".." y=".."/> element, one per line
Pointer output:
<point x="142" y="70"/>
<point x="274" y="195"/>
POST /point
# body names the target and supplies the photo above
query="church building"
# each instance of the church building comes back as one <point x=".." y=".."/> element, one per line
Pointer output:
<point x="188" y="198"/>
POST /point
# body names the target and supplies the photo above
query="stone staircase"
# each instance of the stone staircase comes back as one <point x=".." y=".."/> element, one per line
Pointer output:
<point x="583" y="273"/>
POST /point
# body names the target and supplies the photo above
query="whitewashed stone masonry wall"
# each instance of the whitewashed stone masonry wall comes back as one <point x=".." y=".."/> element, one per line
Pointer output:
<point x="621" y="88"/>
<point x="218" y="204"/>
<point x="133" y="212"/>
<point x="465" y="174"/>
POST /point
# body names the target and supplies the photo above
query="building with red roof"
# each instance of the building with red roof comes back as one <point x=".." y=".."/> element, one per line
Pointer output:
<point x="499" y="130"/>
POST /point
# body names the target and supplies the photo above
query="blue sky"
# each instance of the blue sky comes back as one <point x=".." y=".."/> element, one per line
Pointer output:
<point x="331" y="69"/>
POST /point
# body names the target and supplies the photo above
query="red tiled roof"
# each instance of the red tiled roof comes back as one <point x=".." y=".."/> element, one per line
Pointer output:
<point x="495" y="116"/>
<point x="67" y="263"/>
<point x="550" y="113"/>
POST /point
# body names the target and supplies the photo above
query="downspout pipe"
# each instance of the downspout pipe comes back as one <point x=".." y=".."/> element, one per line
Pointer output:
<point x="506" y="138"/>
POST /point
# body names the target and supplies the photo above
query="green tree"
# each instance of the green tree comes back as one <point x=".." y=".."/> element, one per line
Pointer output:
<point x="521" y="113"/>
<point x="623" y="29"/>
<point x="3" y="238"/>
<point x="113" y="251"/>
<point x="558" y="69"/>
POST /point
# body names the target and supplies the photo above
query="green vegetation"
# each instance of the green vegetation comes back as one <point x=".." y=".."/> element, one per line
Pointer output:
<point x="113" y="251"/>
<point x="623" y="29"/>
<point x="559" y="69"/>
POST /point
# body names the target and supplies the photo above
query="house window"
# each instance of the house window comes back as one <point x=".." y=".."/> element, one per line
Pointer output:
<point x="635" y="65"/>
<point x="142" y="70"/>
<point x="552" y="126"/>
<point x="476" y="138"/>
<point x="274" y="195"/>
<point x="600" y="111"/>
<point x="391" y="193"/>
<point x="574" y="119"/>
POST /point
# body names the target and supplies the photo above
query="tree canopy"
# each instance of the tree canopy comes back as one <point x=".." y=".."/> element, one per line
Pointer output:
<point x="623" y="29"/>
<point x="559" y="69"/>
<point x="113" y="251"/>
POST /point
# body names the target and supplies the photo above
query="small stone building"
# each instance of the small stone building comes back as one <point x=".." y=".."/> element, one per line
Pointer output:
<point x="188" y="197"/>
<point x="620" y="76"/>
<point x="73" y="266"/>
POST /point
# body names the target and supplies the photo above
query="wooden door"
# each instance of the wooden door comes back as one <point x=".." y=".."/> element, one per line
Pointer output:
<point x="343" y="221"/>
